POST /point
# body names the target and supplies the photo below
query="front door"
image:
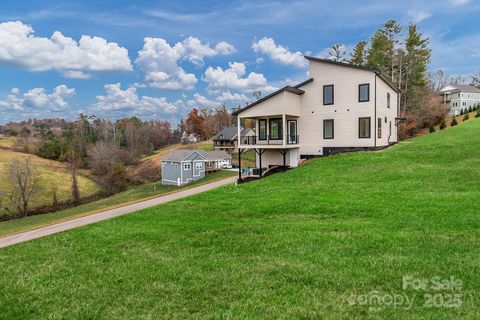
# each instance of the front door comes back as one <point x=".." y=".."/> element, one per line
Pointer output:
<point x="292" y="132"/>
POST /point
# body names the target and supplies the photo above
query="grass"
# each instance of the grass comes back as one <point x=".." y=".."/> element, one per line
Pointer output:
<point x="50" y="174"/>
<point x="134" y="193"/>
<point x="7" y="142"/>
<point x="291" y="246"/>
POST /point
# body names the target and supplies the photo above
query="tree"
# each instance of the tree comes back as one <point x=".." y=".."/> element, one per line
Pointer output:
<point x="104" y="159"/>
<point x="195" y="123"/>
<point x="23" y="181"/>
<point x="338" y="53"/>
<point x="392" y="30"/>
<point x="439" y="80"/>
<point x="379" y="53"/>
<point x="358" y="55"/>
<point x="476" y="80"/>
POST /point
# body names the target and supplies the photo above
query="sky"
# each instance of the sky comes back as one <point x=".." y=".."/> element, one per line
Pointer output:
<point x="159" y="59"/>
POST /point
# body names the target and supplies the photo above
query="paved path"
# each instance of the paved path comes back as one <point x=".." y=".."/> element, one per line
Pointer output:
<point x="75" y="223"/>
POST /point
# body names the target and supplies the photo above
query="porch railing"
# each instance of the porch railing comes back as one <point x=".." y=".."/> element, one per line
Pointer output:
<point x="268" y="140"/>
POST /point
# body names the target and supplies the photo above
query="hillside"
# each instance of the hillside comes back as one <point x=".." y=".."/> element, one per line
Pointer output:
<point x="294" y="245"/>
<point x="50" y="174"/>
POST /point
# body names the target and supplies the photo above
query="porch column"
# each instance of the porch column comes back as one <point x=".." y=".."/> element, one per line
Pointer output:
<point x="239" y="140"/>
<point x="240" y="151"/>
<point x="284" y="129"/>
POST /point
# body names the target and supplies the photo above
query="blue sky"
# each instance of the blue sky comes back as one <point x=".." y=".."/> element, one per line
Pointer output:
<point x="158" y="59"/>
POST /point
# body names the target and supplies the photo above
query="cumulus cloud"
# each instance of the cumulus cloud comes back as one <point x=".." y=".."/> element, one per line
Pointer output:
<point x="37" y="100"/>
<point x="159" y="60"/>
<point x="279" y="53"/>
<point x="227" y="96"/>
<point x="118" y="100"/>
<point x="20" y="47"/>
<point x="232" y="78"/>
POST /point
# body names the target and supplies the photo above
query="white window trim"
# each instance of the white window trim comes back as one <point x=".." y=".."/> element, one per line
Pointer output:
<point x="187" y="166"/>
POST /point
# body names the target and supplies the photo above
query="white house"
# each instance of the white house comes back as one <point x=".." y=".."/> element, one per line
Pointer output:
<point x="458" y="97"/>
<point x="342" y="107"/>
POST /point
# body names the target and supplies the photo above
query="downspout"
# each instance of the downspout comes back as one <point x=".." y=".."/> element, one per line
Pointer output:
<point x="375" y="119"/>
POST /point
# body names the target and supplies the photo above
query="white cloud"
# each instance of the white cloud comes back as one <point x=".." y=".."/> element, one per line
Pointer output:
<point x="117" y="99"/>
<point x="227" y="96"/>
<point x="159" y="60"/>
<point x="204" y="101"/>
<point x="37" y="100"/>
<point x="279" y="53"/>
<point x="419" y="15"/>
<point x="232" y="78"/>
<point x="458" y="2"/>
<point x="20" y="47"/>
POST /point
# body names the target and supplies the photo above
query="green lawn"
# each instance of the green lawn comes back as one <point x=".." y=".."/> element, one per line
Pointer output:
<point x="291" y="246"/>
<point x="133" y="193"/>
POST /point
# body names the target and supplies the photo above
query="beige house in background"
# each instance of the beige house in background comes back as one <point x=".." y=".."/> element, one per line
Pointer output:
<point x="342" y="107"/>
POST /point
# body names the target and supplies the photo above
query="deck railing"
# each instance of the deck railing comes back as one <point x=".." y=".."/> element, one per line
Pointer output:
<point x="268" y="140"/>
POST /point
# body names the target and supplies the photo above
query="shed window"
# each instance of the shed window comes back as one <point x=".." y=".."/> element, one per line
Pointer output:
<point x="364" y="128"/>
<point x="187" y="166"/>
<point x="328" y="129"/>
<point x="328" y="95"/>
<point x="198" y="165"/>
<point x="364" y="92"/>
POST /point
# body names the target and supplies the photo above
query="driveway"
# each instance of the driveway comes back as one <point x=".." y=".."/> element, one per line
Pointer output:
<point x="79" y="222"/>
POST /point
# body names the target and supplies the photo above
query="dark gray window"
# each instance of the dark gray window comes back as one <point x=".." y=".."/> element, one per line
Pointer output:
<point x="328" y="95"/>
<point x="276" y="130"/>
<point x="364" y="92"/>
<point x="364" y="128"/>
<point x="388" y="99"/>
<point x="379" y="128"/>
<point x="262" y="129"/>
<point x="328" y="129"/>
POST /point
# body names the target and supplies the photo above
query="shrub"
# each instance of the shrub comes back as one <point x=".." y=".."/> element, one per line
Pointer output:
<point x="461" y="112"/>
<point x="51" y="149"/>
<point x="431" y="129"/>
<point x="443" y="125"/>
<point x="454" y="122"/>
<point x="470" y="109"/>
<point x="466" y="117"/>
<point x="478" y="114"/>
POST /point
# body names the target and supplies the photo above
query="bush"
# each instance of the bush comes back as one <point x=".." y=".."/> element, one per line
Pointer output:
<point x="470" y="109"/>
<point x="454" y="122"/>
<point x="478" y="114"/>
<point x="461" y="112"/>
<point x="51" y="149"/>
<point x="443" y="125"/>
<point x="466" y="117"/>
<point x="431" y="129"/>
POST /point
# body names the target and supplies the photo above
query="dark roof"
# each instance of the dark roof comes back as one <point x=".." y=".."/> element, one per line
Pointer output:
<point x="214" y="155"/>
<point x="230" y="133"/>
<point x="290" y="89"/>
<point x="181" y="155"/>
<point x="379" y="73"/>
<point x="465" y="87"/>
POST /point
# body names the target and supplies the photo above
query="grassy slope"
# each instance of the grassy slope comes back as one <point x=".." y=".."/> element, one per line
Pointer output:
<point x="134" y="193"/>
<point x="50" y="174"/>
<point x="292" y="245"/>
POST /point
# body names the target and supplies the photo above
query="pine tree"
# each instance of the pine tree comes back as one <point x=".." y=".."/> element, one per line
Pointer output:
<point x="378" y="54"/>
<point x="443" y="125"/>
<point x="358" y="56"/>
<point x="392" y="31"/>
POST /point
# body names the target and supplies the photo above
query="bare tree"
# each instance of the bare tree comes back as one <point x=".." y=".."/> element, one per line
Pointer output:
<point x="104" y="159"/>
<point x="74" y="188"/>
<point x="338" y="53"/>
<point x="476" y="79"/>
<point x="439" y="80"/>
<point x="23" y="179"/>
<point x="257" y="94"/>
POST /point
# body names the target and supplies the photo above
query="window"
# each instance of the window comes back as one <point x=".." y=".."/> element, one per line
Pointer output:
<point x="198" y="165"/>
<point x="262" y="129"/>
<point x="276" y="132"/>
<point x="388" y="99"/>
<point x="385" y="119"/>
<point x="363" y="92"/>
<point x="364" y="128"/>
<point x="379" y="128"/>
<point x="328" y="95"/>
<point x="328" y="129"/>
<point x="390" y="128"/>
<point x="187" y="166"/>
<point x="176" y="166"/>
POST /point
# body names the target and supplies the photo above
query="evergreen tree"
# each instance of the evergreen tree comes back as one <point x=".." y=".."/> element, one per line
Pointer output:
<point x="378" y="55"/>
<point x="392" y="31"/>
<point x="454" y="122"/>
<point x="358" y="56"/>
<point x="443" y="125"/>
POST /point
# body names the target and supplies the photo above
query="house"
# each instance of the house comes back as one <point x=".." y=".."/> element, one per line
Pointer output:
<point x="180" y="167"/>
<point x="458" y="97"/>
<point x="227" y="138"/>
<point x="342" y="107"/>
<point x="188" y="138"/>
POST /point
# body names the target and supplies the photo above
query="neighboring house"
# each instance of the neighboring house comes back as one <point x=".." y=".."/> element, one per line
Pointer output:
<point x="227" y="138"/>
<point x="188" y="138"/>
<point x="184" y="166"/>
<point x="458" y="97"/>
<point x="342" y="107"/>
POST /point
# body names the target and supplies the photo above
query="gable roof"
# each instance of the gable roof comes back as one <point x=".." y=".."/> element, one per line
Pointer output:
<point x="230" y="133"/>
<point x="214" y="155"/>
<point x="460" y="87"/>
<point x="290" y="89"/>
<point x="379" y="73"/>
<point x="179" y="155"/>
